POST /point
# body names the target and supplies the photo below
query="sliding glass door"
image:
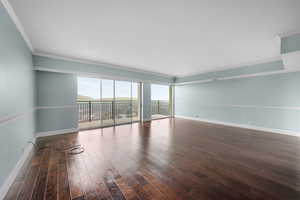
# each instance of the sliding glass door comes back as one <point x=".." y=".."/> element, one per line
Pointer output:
<point x="161" y="101"/>
<point x="88" y="100"/>
<point x="107" y="102"/>
<point x="103" y="102"/>
<point x="135" y="101"/>
<point x="123" y="102"/>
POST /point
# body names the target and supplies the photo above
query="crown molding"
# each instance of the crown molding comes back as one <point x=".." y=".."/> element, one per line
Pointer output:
<point x="21" y="29"/>
<point x="239" y="77"/>
<point x="195" y="82"/>
<point x="289" y="33"/>
<point x="273" y="59"/>
<point x="17" y="22"/>
<point x="91" y="62"/>
<point x="100" y="76"/>
<point x="230" y="67"/>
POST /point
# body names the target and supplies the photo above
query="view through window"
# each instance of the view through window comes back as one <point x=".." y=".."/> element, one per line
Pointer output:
<point x="103" y="102"/>
<point x="161" y="101"/>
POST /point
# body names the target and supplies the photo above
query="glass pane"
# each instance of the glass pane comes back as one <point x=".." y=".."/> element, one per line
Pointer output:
<point x="135" y="102"/>
<point x="107" y="102"/>
<point x="88" y="102"/>
<point x="160" y="101"/>
<point x="123" y="102"/>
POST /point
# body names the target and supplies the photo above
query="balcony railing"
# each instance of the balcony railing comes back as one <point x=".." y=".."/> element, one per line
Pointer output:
<point x="160" y="107"/>
<point x="106" y="110"/>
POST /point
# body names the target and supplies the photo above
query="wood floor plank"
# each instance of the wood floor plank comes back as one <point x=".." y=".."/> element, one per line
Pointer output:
<point x="169" y="159"/>
<point x="41" y="182"/>
<point x="73" y="176"/>
<point x="30" y="180"/>
<point x="17" y="185"/>
<point x="96" y="179"/>
<point x="52" y="180"/>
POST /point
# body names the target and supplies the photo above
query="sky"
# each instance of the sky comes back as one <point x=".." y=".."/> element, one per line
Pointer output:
<point x="91" y="87"/>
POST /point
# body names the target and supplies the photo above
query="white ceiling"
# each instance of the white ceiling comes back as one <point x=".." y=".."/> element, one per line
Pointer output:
<point x="174" y="37"/>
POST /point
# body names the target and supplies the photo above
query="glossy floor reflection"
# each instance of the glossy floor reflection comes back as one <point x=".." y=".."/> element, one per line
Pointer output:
<point x="165" y="159"/>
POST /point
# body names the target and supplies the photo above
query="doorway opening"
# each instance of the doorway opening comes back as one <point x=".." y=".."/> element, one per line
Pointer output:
<point x="104" y="102"/>
<point x="161" y="101"/>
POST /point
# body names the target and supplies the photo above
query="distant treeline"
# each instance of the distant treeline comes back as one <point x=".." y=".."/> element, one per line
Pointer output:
<point x="86" y="98"/>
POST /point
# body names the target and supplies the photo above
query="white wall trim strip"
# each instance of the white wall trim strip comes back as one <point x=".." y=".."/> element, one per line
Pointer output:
<point x="14" y="173"/>
<point x="12" y="117"/>
<point x="57" y="132"/>
<point x="17" y="22"/>
<point x="258" y="128"/>
<point x="252" y="106"/>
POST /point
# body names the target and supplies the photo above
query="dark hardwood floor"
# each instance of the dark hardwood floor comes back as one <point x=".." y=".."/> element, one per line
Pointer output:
<point x="167" y="159"/>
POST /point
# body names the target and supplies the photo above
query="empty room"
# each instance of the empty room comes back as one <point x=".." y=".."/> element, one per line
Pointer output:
<point x="150" y="100"/>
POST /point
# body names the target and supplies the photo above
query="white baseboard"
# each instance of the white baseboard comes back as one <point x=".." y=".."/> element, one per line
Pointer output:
<point x="280" y="131"/>
<point x="57" y="132"/>
<point x="15" y="171"/>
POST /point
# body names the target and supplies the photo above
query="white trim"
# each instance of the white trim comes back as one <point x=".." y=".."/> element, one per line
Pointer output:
<point x="255" y="106"/>
<point x="251" y="127"/>
<point x="258" y="74"/>
<point x="236" y="66"/>
<point x="111" y="65"/>
<point x="239" y="76"/>
<point x="278" y="41"/>
<point x="12" y="117"/>
<point x="99" y="75"/>
<point x="55" y="107"/>
<point x="173" y="101"/>
<point x="289" y="33"/>
<point x="194" y="82"/>
<point x="15" y="171"/>
<point x="17" y="22"/>
<point x="57" y="132"/>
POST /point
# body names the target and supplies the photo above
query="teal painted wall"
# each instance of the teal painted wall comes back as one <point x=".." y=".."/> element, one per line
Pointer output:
<point x="104" y="71"/>
<point x="246" y="70"/>
<point x="56" y="95"/>
<point x="290" y="43"/>
<point x="17" y="95"/>
<point x="146" y="101"/>
<point x="244" y="101"/>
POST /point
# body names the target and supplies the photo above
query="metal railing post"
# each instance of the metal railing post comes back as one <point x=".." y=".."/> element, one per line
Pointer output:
<point x="158" y="107"/>
<point x="113" y="112"/>
<point x="90" y="111"/>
